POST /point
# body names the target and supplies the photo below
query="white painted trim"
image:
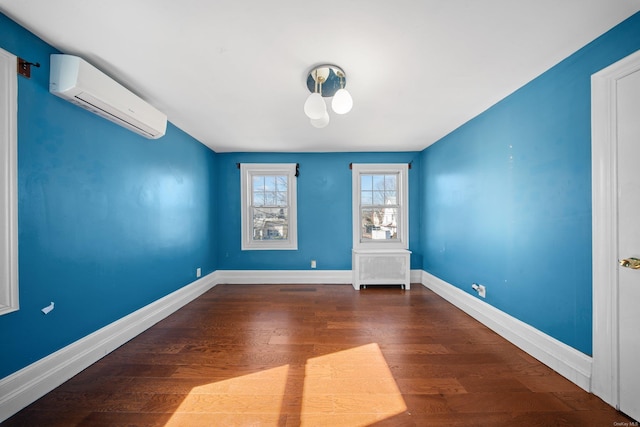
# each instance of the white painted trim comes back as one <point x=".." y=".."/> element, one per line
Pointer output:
<point x="402" y="169"/>
<point x="9" y="300"/>
<point x="25" y="386"/>
<point x="567" y="361"/>
<point x="416" y="276"/>
<point x="247" y="171"/>
<point x="258" y="277"/>
<point x="604" y="166"/>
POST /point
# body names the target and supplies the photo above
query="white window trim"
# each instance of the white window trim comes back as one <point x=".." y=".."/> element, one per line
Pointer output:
<point x="247" y="170"/>
<point x="403" y="193"/>
<point x="8" y="184"/>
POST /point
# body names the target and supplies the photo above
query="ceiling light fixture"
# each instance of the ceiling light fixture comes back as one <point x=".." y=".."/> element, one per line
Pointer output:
<point x="326" y="81"/>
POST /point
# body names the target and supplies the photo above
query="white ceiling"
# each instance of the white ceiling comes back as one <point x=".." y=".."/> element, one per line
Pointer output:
<point x="232" y="73"/>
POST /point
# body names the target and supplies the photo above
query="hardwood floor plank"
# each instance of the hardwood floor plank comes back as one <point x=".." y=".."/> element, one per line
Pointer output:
<point x="318" y="355"/>
<point x="499" y="384"/>
<point x="506" y="402"/>
<point x="431" y="386"/>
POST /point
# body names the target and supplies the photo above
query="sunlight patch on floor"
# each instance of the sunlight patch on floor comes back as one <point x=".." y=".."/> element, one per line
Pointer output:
<point x="349" y="388"/>
<point x="247" y="399"/>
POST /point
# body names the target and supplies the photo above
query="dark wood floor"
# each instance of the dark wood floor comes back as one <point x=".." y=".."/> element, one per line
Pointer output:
<point x="318" y="355"/>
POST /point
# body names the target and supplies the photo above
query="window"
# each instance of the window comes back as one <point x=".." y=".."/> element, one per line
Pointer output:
<point x="269" y="206"/>
<point x="8" y="185"/>
<point x="380" y="206"/>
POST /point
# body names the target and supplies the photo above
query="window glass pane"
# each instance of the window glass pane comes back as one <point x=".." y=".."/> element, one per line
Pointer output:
<point x="366" y="198"/>
<point x="281" y="198"/>
<point x="379" y="190"/>
<point x="378" y="197"/>
<point x="366" y="182"/>
<point x="379" y="224"/>
<point x="270" y="224"/>
<point x="258" y="198"/>
<point x="390" y="182"/>
<point x="390" y="198"/>
<point x="367" y="223"/>
<point x="270" y="198"/>
<point x="269" y="182"/>
<point x="388" y="218"/>
<point x="378" y="182"/>
<point x="257" y="183"/>
<point x="270" y="213"/>
<point x="281" y="183"/>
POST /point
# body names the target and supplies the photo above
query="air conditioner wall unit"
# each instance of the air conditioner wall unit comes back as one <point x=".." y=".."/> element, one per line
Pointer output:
<point x="74" y="79"/>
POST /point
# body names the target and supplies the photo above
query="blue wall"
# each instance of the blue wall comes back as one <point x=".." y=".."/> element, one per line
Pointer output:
<point x="324" y="210"/>
<point x="507" y="196"/>
<point x="108" y="221"/>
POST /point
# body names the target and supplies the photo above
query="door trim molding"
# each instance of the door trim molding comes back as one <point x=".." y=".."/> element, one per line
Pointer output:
<point x="9" y="300"/>
<point x="605" y="369"/>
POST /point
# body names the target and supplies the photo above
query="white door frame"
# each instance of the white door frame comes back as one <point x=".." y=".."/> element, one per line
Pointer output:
<point x="604" y="147"/>
<point x="9" y="300"/>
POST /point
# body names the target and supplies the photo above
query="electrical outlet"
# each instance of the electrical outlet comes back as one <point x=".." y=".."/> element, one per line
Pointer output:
<point x="313" y="263"/>
<point x="482" y="291"/>
<point x="198" y="272"/>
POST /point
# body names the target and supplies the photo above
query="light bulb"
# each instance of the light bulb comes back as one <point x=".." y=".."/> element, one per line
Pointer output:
<point x="321" y="122"/>
<point x="314" y="106"/>
<point x="342" y="102"/>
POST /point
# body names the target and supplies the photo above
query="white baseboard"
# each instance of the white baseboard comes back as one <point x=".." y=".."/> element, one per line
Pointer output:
<point x="567" y="361"/>
<point x="25" y="386"/>
<point x="415" y="276"/>
<point x="253" y="277"/>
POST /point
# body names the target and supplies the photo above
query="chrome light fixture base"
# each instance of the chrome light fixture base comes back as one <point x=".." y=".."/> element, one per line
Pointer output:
<point x="328" y="81"/>
<point x="329" y="76"/>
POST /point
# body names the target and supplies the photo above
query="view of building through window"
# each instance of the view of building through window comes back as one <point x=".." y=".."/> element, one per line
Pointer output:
<point x="269" y="207"/>
<point x="379" y="206"/>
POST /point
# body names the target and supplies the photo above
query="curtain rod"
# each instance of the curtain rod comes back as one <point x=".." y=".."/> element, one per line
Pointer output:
<point x="408" y="164"/>
<point x="24" y="67"/>
<point x="297" y="169"/>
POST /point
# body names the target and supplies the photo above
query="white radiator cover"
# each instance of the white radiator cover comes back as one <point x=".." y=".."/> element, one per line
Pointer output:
<point x="381" y="267"/>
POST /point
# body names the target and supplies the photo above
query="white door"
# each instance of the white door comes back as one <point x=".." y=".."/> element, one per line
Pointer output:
<point x="628" y="135"/>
